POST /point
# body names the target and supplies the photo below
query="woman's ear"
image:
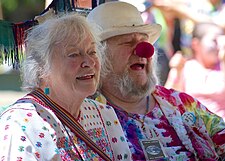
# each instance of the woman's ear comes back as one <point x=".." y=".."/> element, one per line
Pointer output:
<point x="195" y="45"/>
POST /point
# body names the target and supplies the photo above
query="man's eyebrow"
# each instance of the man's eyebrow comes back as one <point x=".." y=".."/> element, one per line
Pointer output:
<point x="132" y="41"/>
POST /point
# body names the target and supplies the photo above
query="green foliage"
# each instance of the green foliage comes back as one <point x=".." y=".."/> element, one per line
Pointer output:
<point x="10" y="5"/>
<point x="21" y="10"/>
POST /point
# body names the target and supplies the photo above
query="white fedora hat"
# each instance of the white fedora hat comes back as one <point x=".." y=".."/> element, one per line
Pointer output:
<point x="118" y="18"/>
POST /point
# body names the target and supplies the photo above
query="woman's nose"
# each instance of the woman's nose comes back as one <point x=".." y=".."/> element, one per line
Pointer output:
<point x="87" y="62"/>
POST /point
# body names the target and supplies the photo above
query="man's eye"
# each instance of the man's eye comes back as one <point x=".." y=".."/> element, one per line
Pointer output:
<point x="126" y="44"/>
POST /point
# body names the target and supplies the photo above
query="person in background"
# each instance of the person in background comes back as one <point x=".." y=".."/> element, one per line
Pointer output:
<point x="202" y="11"/>
<point x="55" y="121"/>
<point x="165" y="48"/>
<point x="203" y="76"/>
<point x="159" y="123"/>
<point x="189" y="13"/>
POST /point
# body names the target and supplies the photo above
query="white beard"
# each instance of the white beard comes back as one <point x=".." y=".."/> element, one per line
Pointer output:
<point x="128" y="88"/>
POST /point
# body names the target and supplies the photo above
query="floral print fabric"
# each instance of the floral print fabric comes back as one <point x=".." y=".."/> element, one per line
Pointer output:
<point x="31" y="131"/>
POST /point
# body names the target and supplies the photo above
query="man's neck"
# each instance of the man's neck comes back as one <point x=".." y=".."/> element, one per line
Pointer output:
<point x="132" y="104"/>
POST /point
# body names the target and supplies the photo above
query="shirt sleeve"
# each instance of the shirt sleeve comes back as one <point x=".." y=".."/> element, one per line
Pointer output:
<point x="25" y="135"/>
<point x="212" y="123"/>
<point x="215" y="126"/>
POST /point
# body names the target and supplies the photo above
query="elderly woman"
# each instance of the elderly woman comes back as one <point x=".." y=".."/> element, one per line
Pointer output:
<point x="55" y="121"/>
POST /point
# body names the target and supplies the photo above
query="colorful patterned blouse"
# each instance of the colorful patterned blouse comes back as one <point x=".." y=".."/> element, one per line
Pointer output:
<point x="31" y="131"/>
<point x="185" y="128"/>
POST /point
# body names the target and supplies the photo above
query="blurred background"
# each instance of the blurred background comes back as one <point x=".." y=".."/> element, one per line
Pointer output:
<point x="15" y="11"/>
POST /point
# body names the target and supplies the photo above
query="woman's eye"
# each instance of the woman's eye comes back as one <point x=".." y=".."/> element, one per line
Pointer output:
<point x="72" y="55"/>
<point x="92" y="53"/>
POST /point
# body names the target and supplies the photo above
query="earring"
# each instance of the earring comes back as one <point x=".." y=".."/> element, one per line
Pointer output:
<point x="47" y="91"/>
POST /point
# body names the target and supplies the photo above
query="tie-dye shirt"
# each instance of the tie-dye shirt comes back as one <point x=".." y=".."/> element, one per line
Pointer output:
<point x="186" y="129"/>
<point x="31" y="131"/>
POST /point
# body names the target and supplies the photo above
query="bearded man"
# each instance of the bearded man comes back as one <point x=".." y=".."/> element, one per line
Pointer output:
<point x="159" y="124"/>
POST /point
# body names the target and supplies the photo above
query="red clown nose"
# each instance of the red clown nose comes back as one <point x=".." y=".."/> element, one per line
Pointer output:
<point x="144" y="50"/>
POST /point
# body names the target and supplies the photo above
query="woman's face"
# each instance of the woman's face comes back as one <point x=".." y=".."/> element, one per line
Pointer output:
<point x="75" y="68"/>
<point x="209" y="48"/>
